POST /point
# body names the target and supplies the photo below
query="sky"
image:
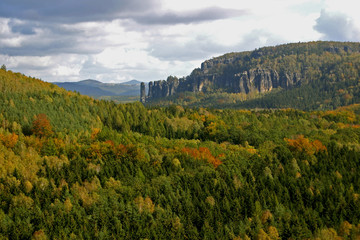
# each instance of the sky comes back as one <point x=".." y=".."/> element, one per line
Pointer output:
<point x="120" y="40"/>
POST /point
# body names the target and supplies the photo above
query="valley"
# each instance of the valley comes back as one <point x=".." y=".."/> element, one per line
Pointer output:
<point x="75" y="167"/>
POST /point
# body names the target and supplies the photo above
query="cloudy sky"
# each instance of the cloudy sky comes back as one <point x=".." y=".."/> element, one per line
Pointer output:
<point x="120" y="40"/>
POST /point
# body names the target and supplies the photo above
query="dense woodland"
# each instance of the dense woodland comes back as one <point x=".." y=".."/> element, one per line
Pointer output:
<point x="72" y="167"/>
<point x="329" y="78"/>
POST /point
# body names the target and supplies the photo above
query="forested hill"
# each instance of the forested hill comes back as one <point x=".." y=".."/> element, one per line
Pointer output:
<point x="308" y="76"/>
<point x="72" y="167"/>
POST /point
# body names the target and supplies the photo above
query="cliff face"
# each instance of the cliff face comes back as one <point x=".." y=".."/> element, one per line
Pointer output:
<point x="253" y="80"/>
<point x="261" y="70"/>
<point x="264" y="80"/>
<point x="142" y="93"/>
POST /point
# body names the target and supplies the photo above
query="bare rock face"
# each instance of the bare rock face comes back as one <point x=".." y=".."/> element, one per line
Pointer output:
<point x="253" y="80"/>
<point x="162" y="88"/>
<point x="287" y="80"/>
<point x="142" y="93"/>
<point x="150" y="94"/>
<point x="259" y="80"/>
<point x="259" y="71"/>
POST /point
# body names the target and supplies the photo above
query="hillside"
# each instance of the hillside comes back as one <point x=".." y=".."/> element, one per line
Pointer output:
<point x="307" y="76"/>
<point x="95" y="88"/>
<point x="72" y="167"/>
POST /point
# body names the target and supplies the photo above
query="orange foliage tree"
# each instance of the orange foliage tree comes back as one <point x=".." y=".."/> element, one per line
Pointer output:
<point x="203" y="153"/>
<point x="41" y="126"/>
<point x="302" y="144"/>
<point x="9" y="140"/>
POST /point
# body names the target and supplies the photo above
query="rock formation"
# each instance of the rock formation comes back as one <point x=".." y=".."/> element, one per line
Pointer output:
<point x="262" y="70"/>
<point x="142" y="93"/>
<point x="253" y="80"/>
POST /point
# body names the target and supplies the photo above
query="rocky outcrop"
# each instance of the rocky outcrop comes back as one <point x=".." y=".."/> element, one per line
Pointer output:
<point x="142" y="93"/>
<point x="160" y="89"/>
<point x="264" y="80"/>
<point x="262" y="70"/>
<point x="253" y="80"/>
<point x="260" y="80"/>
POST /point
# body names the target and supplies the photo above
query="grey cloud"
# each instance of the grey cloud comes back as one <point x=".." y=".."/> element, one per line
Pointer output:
<point x="141" y="11"/>
<point x="22" y="28"/>
<point x="41" y="39"/>
<point x="73" y="11"/>
<point x="336" y="27"/>
<point x="187" y="17"/>
<point x="39" y="24"/>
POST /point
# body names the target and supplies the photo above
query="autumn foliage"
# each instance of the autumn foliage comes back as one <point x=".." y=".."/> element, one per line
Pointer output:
<point x="9" y="140"/>
<point x="41" y="126"/>
<point x="124" y="171"/>
<point x="203" y="153"/>
<point x="302" y="144"/>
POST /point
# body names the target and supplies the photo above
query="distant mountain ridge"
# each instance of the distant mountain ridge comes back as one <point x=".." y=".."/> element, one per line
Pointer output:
<point x="96" y="88"/>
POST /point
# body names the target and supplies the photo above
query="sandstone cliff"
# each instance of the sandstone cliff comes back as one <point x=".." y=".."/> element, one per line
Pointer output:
<point x="253" y="80"/>
<point x="261" y="70"/>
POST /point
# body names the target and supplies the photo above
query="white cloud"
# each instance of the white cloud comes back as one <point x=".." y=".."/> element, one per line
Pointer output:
<point x="337" y="26"/>
<point x="149" y="40"/>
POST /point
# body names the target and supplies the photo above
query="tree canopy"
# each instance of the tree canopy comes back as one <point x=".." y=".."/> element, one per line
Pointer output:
<point x="72" y="167"/>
